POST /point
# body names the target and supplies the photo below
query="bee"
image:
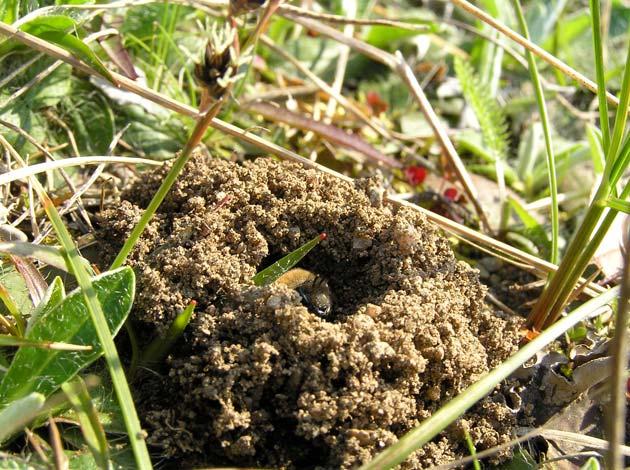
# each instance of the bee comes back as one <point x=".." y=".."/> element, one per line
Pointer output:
<point x="313" y="289"/>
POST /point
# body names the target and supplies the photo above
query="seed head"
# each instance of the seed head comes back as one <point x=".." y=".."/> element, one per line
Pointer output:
<point x="220" y="61"/>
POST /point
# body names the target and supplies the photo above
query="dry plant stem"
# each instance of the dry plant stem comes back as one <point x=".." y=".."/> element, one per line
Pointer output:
<point x="617" y="411"/>
<point x="338" y="19"/>
<point x="446" y="224"/>
<point x="440" y="132"/>
<point x="50" y="157"/>
<point x="60" y="459"/>
<point x="398" y="64"/>
<point x="536" y="50"/>
<point x="334" y="94"/>
<point x="342" y="60"/>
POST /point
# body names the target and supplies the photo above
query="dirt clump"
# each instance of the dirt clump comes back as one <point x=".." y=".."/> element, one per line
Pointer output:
<point x="259" y="380"/>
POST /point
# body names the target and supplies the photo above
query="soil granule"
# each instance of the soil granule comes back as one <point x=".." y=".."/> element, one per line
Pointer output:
<point x="258" y="379"/>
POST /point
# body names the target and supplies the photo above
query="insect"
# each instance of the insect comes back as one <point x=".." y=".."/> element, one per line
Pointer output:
<point x="313" y="289"/>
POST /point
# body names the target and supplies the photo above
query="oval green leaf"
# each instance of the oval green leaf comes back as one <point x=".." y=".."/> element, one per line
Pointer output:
<point x="42" y="370"/>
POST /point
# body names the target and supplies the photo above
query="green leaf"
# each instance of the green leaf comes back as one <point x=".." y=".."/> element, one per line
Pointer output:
<point x="43" y="371"/>
<point x="277" y="269"/>
<point x="9" y="10"/>
<point x="14" y="283"/>
<point x="533" y="230"/>
<point x="591" y="464"/>
<point x="54" y="295"/>
<point x="19" y="413"/>
<point x="46" y="254"/>
<point x="90" y="117"/>
<point x="54" y="29"/>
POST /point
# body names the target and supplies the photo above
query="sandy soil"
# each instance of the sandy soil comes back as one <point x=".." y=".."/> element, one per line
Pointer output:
<point x="260" y="380"/>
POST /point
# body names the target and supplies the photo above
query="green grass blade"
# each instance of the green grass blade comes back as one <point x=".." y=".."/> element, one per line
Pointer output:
<point x="55" y="29"/>
<point x="123" y="393"/>
<point x="9" y="303"/>
<point x="44" y="370"/>
<point x="91" y="427"/>
<point x="160" y="347"/>
<point x="271" y="273"/>
<point x="598" y="155"/>
<point x="544" y="117"/>
<point x="9" y="10"/>
<point x="621" y="116"/>
<point x="19" y="413"/>
<point x="46" y="254"/>
<point x="432" y="426"/>
<point x="533" y="230"/>
<point x="600" y="72"/>
<point x="618" y="204"/>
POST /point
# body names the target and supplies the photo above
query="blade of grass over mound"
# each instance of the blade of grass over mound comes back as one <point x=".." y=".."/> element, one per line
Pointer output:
<point x="125" y="400"/>
<point x="212" y="106"/>
<point x="544" y="117"/>
<point x="432" y="426"/>
<point x="596" y="222"/>
<point x="271" y="273"/>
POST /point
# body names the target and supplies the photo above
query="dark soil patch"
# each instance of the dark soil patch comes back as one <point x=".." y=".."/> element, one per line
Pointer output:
<point x="260" y="380"/>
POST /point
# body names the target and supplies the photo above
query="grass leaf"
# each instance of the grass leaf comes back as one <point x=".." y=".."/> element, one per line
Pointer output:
<point x="19" y="413"/>
<point x="9" y="10"/>
<point x="91" y="427"/>
<point x="43" y="371"/>
<point x="159" y="348"/>
<point x="277" y="269"/>
<point x="46" y="254"/>
<point x="55" y="29"/>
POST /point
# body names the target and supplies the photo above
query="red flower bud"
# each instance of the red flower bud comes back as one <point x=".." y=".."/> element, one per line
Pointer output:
<point x="415" y="174"/>
<point x="451" y="194"/>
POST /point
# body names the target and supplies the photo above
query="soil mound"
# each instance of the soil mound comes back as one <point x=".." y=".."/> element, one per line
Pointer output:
<point x="259" y="379"/>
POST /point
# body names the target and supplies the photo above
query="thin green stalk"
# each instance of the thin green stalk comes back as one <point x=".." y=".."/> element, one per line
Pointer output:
<point x="544" y="117"/>
<point x="167" y="183"/>
<point x="125" y="400"/>
<point x="601" y="73"/>
<point x="589" y="235"/>
<point x="618" y="383"/>
<point x="432" y="426"/>
<point x="621" y="117"/>
<point x="581" y="262"/>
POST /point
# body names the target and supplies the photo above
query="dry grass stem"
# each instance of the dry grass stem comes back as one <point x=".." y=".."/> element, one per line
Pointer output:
<point x="536" y="50"/>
